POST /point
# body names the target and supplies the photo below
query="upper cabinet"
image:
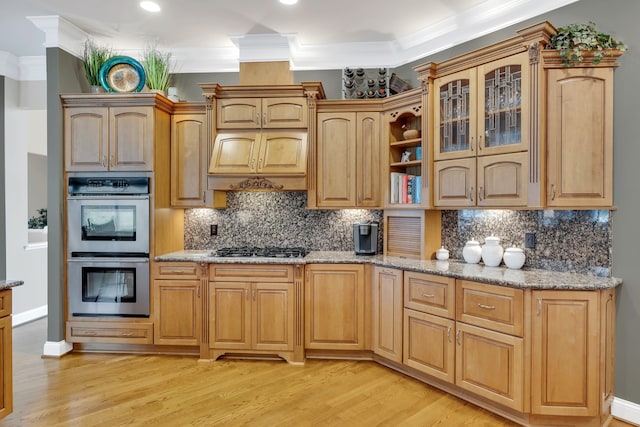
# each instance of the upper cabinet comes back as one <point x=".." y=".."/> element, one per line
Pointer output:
<point x="265" y="113"/>
<point x="113" y="132"/>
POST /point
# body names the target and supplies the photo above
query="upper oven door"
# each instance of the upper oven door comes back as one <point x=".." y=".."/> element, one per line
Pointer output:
<point x="108" y="224"/>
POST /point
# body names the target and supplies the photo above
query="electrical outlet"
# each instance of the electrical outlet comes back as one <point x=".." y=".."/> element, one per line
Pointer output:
<point x="214" y="229"/>
<point x="529" y="240"/>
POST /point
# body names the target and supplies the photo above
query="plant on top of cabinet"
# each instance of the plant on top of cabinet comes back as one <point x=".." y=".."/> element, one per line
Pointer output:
<point x="157" y="66"/>
<point x="574" y="41"/>
<point x="93" y="57"/>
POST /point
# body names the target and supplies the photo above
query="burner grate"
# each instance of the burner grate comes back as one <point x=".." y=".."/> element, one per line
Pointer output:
<point x="269" y="252"/>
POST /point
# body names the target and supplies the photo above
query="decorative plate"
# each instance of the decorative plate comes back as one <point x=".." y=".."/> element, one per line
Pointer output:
<point x="122" y="74"/>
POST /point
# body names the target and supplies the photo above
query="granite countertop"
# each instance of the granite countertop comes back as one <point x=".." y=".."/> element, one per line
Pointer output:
<point x="523" y="279"/>
<point x="6" y="284"/>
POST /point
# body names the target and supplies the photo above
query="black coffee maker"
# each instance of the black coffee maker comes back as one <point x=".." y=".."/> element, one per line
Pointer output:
<point x="365" y="238"/>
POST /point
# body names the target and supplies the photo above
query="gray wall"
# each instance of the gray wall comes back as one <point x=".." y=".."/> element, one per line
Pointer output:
<point x="37" y="183"/>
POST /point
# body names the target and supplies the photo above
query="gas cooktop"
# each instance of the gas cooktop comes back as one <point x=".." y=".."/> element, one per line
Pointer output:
<point x="271" y="252"/>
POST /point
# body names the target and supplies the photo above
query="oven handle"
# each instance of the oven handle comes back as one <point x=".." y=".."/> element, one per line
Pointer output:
<point x="109" y="197"/>
<point x="109" y="260"/>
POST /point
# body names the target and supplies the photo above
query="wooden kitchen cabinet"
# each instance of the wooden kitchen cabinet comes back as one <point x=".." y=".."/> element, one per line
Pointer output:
<point x="6" y="355"/>
<point x="334" y="301"/>
<point x="348" y="159"/>
<point x="189" y="158"/>
<point x="252" y="309"/>
<point x="265" y="113"/>
<point x="580" y="133"/>
<point x="387" y="313"/>
<point x="572" y="352"/>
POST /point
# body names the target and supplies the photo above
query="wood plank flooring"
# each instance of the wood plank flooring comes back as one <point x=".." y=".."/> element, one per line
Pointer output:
<point x="129" y="390"/>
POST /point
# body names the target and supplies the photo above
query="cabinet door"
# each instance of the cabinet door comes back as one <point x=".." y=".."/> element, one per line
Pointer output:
<point x="455" y="115"/>
<point x="281" y="113"/>
<point x="454" y="182"/>
<point x="6" y="382"/>
<point x="503" y="179"/>
<point x="86" y="139"/>
<point x="189" y="158"/>
<point x="131" y="138"/>
<point x="429" y="344"/>
<point x="565" y="353"/>
<point x="272" y="326"/>
<point x="580" y="137"/>
<point x="282" y="153"/>
<point x="336" y="160"/>
<point x="334" y="307"/>
<point x="490" y="364"/>
<point x="239" y="113"/>
<point x="177" y="312"/>
<point x="387" y="313"/>
<point x="503" y="100"/>
<point x="235" y="153"/>
<point x="368" y="159"/>
<point x="230" y="321"/>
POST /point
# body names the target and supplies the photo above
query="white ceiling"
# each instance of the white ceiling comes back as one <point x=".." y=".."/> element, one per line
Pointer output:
<point x="210" y="35"/>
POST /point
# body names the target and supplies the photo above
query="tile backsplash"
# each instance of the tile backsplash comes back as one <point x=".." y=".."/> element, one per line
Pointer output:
<point x="571" y="240"/>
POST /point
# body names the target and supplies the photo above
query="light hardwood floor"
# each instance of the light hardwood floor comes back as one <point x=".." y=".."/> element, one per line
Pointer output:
<point x="118" y="390"/>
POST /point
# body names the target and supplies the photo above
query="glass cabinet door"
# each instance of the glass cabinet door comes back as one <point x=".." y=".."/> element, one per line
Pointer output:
<point x="455" y="115"/>
<point x="503" y="97"/>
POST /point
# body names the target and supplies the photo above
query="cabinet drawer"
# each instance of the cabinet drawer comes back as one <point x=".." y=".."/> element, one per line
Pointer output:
<point x="110" y="332"/>
<point x="489" y="306"/>
<point x="176" y="270"/>
<point x="430" y="294"/>
<point x="251" y="273"/>
<point x="5" y="302"/>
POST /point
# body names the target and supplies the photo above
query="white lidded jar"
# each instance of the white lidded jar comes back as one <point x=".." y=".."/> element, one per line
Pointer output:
<point x="514" y="258"/>
<point x="472" y="252"/>
<point x="492" y="252"/>
<point x="442" y="254"/>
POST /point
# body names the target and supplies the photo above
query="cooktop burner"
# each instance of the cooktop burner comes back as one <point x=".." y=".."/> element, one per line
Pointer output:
<point x="271" y="252"/>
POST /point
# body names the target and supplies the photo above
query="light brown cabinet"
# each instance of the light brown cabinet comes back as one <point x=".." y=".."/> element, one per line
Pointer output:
<point x="266" y="113"/>
<point x="572" y="352"/>
<point x="348" y="159"/>
<point x="334" y="307"/>
<point x="105" y="331"/>
<point x="189" y="159"/>
<point x="6" y="355"/>
<point x="109" y="138"/>
<point x="252" y="309"/>
<point x="387" y="313"/>
<point x="580" y="135"/>
<point x="177" y="304"/>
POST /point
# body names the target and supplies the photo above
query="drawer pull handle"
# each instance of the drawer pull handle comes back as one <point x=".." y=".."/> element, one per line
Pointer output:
<point x="89" y="333"/>
<point x="127" y="334"/>
<point x="539" y="306"/>
<point x="458" y="336"/>
<point x="487" y="307"/>
<point x="428" y="295"/>
<point x="449" y="334"/>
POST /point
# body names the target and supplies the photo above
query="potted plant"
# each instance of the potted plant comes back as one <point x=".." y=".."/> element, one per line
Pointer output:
<point x="156" y="66"/>
<point x="576" y="41"/>
<point x="94" y="56"/>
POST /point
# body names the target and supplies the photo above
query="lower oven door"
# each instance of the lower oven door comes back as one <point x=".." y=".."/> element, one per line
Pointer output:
<point x="108" y="286"/>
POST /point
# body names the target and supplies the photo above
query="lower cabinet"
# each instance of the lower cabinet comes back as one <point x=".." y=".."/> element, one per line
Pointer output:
<point x="334" y="301"/>
<point x="387" y="313"/>
<point x="6" y="382"/>
<point x="106" y="331"/>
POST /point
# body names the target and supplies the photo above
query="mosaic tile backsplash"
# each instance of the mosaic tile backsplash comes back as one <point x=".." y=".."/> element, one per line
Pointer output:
<point x="275" y="219"/>
<point x="574" y="241"/>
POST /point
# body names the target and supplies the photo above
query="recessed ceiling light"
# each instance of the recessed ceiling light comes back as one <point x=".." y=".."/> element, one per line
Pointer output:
<point x="150" y="6"/>
<point x="288" y="1"/>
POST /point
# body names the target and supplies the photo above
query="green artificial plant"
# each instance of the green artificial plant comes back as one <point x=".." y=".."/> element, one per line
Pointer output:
<point x="157" y="66"/>
<point x="573" y="41"/>
<point x="39" y="221"/>
<point x="94" y="56"/>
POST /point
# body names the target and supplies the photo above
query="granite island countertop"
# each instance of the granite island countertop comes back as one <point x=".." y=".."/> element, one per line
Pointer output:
<point x="7" y="284"/>
<point x="523" y="279"/>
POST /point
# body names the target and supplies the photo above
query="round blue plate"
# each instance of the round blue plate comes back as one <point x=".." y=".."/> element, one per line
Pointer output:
<point x="122" y="74"/>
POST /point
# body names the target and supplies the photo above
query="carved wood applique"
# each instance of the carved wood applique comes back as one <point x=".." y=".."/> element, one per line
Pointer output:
<point x="256" y="183"/>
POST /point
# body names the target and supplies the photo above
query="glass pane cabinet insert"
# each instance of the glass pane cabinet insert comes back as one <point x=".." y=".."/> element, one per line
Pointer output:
<point x="502" y="109"/>
<point x="455" y="103"/>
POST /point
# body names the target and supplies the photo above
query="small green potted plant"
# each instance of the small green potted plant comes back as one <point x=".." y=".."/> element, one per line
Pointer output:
<point x="157" y="66"/>
<point x="577" y="42"/>
<point x="94" y="56"/>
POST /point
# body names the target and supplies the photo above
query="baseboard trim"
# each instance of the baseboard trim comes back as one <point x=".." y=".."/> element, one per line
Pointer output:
<point x="29" y="315"/>
<point x="56" y="349"/>
<point x="626" y="411"/>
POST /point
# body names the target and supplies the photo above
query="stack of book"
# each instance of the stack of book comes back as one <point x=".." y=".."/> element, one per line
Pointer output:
<point x="405" y="188"/>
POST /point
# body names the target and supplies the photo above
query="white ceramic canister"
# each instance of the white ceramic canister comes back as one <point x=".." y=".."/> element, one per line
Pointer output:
<point x="492" y="251"/>
<point x="442" y="254"/>
<point x="513" y="258"/>
<point x="472" y="252"/>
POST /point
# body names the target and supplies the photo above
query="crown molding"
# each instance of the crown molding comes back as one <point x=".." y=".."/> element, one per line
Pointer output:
<point x="61" y="33"/>
<point x="9" y="65"/>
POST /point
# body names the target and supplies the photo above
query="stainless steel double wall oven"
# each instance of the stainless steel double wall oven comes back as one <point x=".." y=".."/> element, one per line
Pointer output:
<point x="108" y="244"/>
